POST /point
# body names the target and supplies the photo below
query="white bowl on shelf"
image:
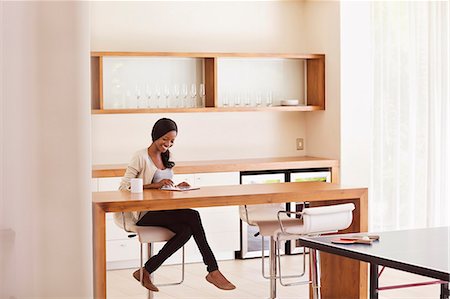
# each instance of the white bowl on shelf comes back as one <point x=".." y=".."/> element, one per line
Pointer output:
<point x="290" y="102"/>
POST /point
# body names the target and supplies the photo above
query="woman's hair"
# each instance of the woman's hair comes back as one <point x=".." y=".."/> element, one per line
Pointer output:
<point x="161" y="128"/>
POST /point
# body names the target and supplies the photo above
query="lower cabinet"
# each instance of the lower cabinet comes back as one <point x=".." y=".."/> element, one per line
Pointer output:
<point x="221" y="225"/>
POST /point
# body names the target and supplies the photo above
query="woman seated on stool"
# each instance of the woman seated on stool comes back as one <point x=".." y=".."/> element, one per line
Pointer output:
<point x="153" y="165"/>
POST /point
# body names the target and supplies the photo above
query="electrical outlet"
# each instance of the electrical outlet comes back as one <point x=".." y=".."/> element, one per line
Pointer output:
<point x="300" y="144"/>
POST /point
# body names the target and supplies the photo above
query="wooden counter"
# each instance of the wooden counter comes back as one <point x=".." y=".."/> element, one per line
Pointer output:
<point x="351" y="274"/>
<point x="183" y="167"/>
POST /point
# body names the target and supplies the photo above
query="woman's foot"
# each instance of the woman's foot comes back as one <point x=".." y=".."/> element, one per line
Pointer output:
<point x="216" y="278"/>
<point x="146" y="280"/>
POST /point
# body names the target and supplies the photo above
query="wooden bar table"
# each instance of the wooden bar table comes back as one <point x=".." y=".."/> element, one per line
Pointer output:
<point x="341" y="277"/>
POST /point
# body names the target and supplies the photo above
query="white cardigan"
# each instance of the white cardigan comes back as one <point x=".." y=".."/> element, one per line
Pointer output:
<point x="140" y="166"/>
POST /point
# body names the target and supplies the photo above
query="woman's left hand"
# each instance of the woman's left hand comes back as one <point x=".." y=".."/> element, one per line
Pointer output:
<point x="183" y="184"/>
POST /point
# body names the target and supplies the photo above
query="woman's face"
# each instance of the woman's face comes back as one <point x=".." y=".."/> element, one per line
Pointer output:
<point x="166" y="141"/>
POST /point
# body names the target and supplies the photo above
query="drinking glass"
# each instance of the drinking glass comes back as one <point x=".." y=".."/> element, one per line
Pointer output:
<point x="269" y="99"/>
<point x="258" y="100"/>
<point x="193" y="95"/>
<point x="158" y="96"/>
<point x="148" y="93"/>
<point x="237" y="100"/>
<point x="225" y="100"/>
<point x="247" y="99"/>
<point x="176" y="93"/>
<point x="202" y="94"/>
<point x="184" y="93"/>
<point x="166" y="96"/>
<point x="137" y="91"/>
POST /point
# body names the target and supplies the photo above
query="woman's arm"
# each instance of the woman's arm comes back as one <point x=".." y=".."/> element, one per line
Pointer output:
<point x="164" y="182"/>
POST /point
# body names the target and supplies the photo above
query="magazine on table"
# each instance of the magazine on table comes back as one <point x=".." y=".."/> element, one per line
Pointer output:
<point x="179" y="188"/>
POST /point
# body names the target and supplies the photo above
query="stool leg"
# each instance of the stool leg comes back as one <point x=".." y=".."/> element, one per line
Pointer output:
<point x="141" y="271"/>
<point x="273" y="268"/>
<point x="149" y="255"/>
<point x="315" y="272"/>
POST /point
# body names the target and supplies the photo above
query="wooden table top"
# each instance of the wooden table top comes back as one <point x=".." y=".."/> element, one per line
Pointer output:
<point x="154" y="199"/>
<point x="183" y="167"/>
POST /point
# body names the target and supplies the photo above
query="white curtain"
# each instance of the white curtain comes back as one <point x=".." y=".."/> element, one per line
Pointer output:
<point x="411" y="111"/>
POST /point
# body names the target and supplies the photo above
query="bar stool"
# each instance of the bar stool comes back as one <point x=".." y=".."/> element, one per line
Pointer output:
<point x="149" y="235"/>
<point x="273" y="221"/>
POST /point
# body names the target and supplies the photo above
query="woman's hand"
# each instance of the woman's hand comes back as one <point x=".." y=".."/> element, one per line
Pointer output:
<point x="183" y="184"/>
<point x="164" y="182"/>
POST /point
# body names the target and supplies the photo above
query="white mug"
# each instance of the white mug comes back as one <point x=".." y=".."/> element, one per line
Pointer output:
<point x="137" y="185"/>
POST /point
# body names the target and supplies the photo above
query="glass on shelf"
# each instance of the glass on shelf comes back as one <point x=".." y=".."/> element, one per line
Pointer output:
<point x="176" y="94"/>
<point x="158" y="97"/>
<point x="202" y="94"/>
<point x="246" y="97"/>
<point x="269" y="99"/>
<point x="141" y="102"/>
<point x="184" y="93"/>
<point x="193" y="93"/>
<point x="258" y="100"/>
<point x="225" y="100"/>
<point x="148" y="95"/>
<point x="237" y="100"/>
<point x="166" y="96"/>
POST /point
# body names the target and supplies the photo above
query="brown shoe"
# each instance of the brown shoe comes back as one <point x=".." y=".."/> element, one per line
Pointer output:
<point x="146" y="277"/>
<point x="216" y="278"/>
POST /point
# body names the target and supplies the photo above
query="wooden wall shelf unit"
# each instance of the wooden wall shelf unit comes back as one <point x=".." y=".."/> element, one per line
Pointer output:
<point x="314" y="82"/>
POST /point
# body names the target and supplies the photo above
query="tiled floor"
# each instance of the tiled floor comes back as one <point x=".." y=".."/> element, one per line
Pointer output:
<point x="246" y="275"/>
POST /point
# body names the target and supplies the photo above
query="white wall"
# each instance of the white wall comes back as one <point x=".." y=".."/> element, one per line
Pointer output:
<point x="356" y="93"/>
<point x="342" y="131"/>
<point x="45" y="223"/>
<point x="197" y="26"/>
<point x="323" y="36"/>
<point x="209" y="136"/>
<point x="253" y="26"/>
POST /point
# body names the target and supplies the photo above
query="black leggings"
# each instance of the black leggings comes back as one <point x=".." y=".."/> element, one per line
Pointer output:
<point x="184" y="223"/>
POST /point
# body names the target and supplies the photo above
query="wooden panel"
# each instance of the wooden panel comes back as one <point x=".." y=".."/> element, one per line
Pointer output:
<point x="335" y="176"/>
<point x="210" y="81"/>
<point x="95" y="84"/>
<point x="210" y="54"/>
<point x="100" y="82"/>
<point x="99" y="251"/>
<point x="155" y="199"/>
<point x="344" y="277"/>
<point x="210" y="109"/>
<point x="118" y="170"/>
<point x="316" y="82"/>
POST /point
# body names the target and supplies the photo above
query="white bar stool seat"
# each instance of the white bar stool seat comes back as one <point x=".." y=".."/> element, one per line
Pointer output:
<point x="148" y="235"/>
<point x="274" y="222"/>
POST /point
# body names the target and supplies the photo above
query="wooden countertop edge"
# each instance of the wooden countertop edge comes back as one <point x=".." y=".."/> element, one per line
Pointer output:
<point x="301" y="162"/>
<point x="251" y="196"/>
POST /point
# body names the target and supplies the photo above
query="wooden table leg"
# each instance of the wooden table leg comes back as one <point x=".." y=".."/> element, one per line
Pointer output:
<point x="99" y="248"/>
<point x="343" y="277"/>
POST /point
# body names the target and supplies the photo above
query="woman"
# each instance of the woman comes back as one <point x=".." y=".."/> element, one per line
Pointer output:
<point x="153" y="165"/>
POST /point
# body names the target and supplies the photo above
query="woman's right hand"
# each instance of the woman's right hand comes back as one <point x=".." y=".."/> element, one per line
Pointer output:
<point x="164" y="182"/>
